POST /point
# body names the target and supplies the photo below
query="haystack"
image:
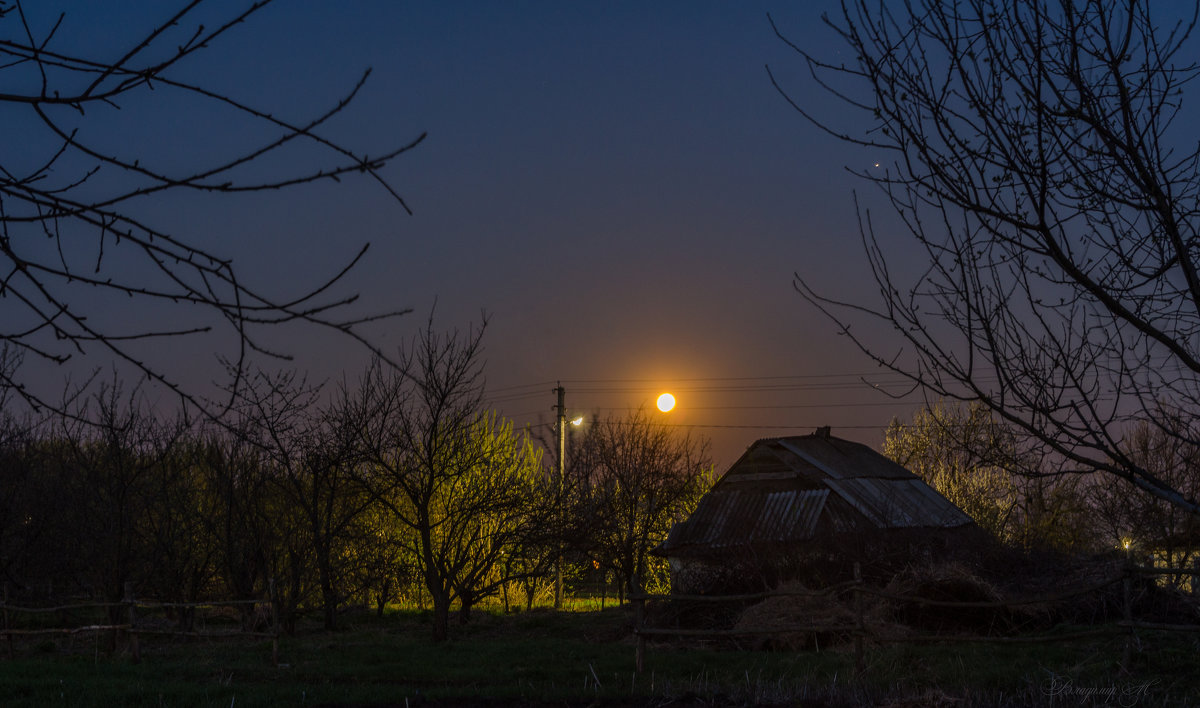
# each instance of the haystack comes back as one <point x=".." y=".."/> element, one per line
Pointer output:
<point x="953" y="583"/>
<point x="821" y="621"/>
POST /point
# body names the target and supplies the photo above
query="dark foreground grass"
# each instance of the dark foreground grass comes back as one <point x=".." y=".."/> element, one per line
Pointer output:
<point x="580" y="659"/>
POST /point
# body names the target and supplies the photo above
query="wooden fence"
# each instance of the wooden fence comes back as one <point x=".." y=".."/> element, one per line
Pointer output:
<point x="132" y="623"/>
<point x="860" y="631"/>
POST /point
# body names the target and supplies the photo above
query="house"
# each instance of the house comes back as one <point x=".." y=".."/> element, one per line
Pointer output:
<point x="811" y="505"/>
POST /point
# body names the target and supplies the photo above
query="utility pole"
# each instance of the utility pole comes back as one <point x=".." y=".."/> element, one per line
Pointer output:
<point x="561" y="432"/>
<point x="562" y="451"/>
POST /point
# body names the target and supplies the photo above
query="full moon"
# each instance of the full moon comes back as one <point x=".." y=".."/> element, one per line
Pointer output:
<point x="666" y="402"/>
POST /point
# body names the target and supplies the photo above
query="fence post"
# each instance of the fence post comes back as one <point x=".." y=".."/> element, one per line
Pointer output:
<point x="1127" y="610"/>
<point x="135" y="651"/>
<point x="639" y="622"/>
<point x="274" y="621"/>
<point x="860" y="664"/>
<point x="7" y="635"/>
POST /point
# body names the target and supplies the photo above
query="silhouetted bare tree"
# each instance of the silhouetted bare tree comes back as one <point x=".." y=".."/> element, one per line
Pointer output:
<point x="1038" y="155"/>
<point x="24" y="493"/>
<point x="75" y="232"/>
<point x="311" y="453"/>
<point x="108" y="474"/>
<point x="641" y="476"/>
<point x="460" y="479"/>
<point x="239" y="517"/>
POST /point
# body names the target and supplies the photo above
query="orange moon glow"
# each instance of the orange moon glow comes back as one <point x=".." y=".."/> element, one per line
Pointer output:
<point x="666" y="402"/>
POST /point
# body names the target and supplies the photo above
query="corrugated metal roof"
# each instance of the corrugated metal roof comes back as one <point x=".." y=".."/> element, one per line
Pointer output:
<point x="898" y="504"/>
<point x="779" y="491"/>
<point x="733" y="517"/>
<point x="841" y="458"/>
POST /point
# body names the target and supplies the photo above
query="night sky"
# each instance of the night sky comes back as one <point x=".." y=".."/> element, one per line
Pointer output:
<point x="617" y="185"/>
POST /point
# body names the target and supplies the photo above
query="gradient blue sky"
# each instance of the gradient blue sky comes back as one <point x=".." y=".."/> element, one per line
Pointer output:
<point x="617" y="184"/>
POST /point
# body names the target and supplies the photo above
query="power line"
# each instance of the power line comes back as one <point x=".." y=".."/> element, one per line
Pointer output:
<point x="581" y="386"/>
<point x="809" y="426"/>
<point x="539" y="384"/>
<point x="736" y="384"/>
<point x="707" y="379"/>
<point x="770" y="426"/>
<point x="779" y="407"/>
<point x="768" y="385"/>
<point x="758" y="384"/>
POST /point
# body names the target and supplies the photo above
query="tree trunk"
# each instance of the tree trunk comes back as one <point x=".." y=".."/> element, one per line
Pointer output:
<point x="291" y="606"/>
<point x="329" y="600"/>
<point x="464" y="612"/>
<point x="439" y="591"/>
<point x="381" y="599"/>
<point x="441" y="615"/>
<point x="329" y="597"/>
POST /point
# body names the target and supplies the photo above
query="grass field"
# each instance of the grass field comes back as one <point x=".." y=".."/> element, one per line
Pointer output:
<point x="580" y="659"/>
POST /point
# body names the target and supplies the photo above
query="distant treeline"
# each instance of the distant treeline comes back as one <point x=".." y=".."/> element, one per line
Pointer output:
<point x="401" y="485"/>
<point x="1035" y="502"/>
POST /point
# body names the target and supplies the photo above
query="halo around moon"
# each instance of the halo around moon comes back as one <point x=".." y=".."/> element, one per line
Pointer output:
<point x="666" y="402"/>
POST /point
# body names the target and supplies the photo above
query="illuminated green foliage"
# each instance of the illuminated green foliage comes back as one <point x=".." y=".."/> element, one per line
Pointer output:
<point x="639" y="476"/>
<point x="976" y="462"/>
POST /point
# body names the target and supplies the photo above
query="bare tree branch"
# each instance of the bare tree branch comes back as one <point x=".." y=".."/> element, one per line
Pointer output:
<point x="1041" y="166"/>
<point x="72" y="231"/>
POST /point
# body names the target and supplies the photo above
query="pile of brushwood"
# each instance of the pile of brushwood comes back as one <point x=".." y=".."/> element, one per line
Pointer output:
<point x="1027" y="598"/>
